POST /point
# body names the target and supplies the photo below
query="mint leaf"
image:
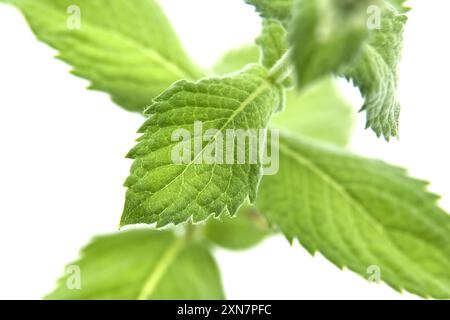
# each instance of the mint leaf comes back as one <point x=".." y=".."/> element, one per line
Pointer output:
<point x="141" y="264"/>
<point x="243" y="231"/>
<point x="277" y="9"/>
<point x="320" y="112"/>
<point x="375" y="72"/>
<point x="273" y="42"/>
<point x="127" y="50"/>
<point x="239" y="102"/>
<point x="331" y="36"/>
<point x="361" y="214"/>
<point x="327" y="35"/>
<point x="274" y="45"/>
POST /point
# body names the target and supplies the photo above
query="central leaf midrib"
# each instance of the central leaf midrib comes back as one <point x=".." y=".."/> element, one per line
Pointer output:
<point x="158" y="272"/>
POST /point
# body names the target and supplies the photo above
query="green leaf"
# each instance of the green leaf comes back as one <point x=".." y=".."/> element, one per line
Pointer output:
<point x="141" y="264"/>
<point x="277" y="9"/>
<point x="327" y="35"/>
<point x="361" y="214"/>
<point x="331" y="37"/>
<point x="125" y="48"/>
<point x="243" y="231"/>
<point x="319" y="112"/>
<point x="273" y="42"/>
<point x="375" y="72"/>
<point x="239" y="102"/>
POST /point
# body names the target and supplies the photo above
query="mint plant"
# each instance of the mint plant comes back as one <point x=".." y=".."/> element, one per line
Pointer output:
<point x="359" y="213"/>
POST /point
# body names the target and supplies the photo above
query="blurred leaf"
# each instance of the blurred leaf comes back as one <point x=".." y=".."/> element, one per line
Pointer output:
<point x="273" y="42"/>
<point x="125" y="48"/>
<point x="141" y="264"/>
<point x="361" y="214"/>
<point x="359" y="39"/>
<point x="327" y="35"/>
<point x="244" y="231"/>
<point x="376" y="73"/>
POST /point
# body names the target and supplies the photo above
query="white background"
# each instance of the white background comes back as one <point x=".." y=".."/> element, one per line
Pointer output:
<point x="62" y="153"/>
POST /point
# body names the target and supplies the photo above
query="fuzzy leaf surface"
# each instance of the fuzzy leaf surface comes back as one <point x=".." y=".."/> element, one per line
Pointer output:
<point x="163" y="191"/>
<point x="376" y="73"/>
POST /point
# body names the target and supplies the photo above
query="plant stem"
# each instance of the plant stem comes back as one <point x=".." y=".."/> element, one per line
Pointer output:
<point x="282" y="69"/>
<point x="192" y="231"/>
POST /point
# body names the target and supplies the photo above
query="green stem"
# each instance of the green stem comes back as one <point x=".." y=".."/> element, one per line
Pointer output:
<point x="282" y="69"/>
<point x="192" y="232"/>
